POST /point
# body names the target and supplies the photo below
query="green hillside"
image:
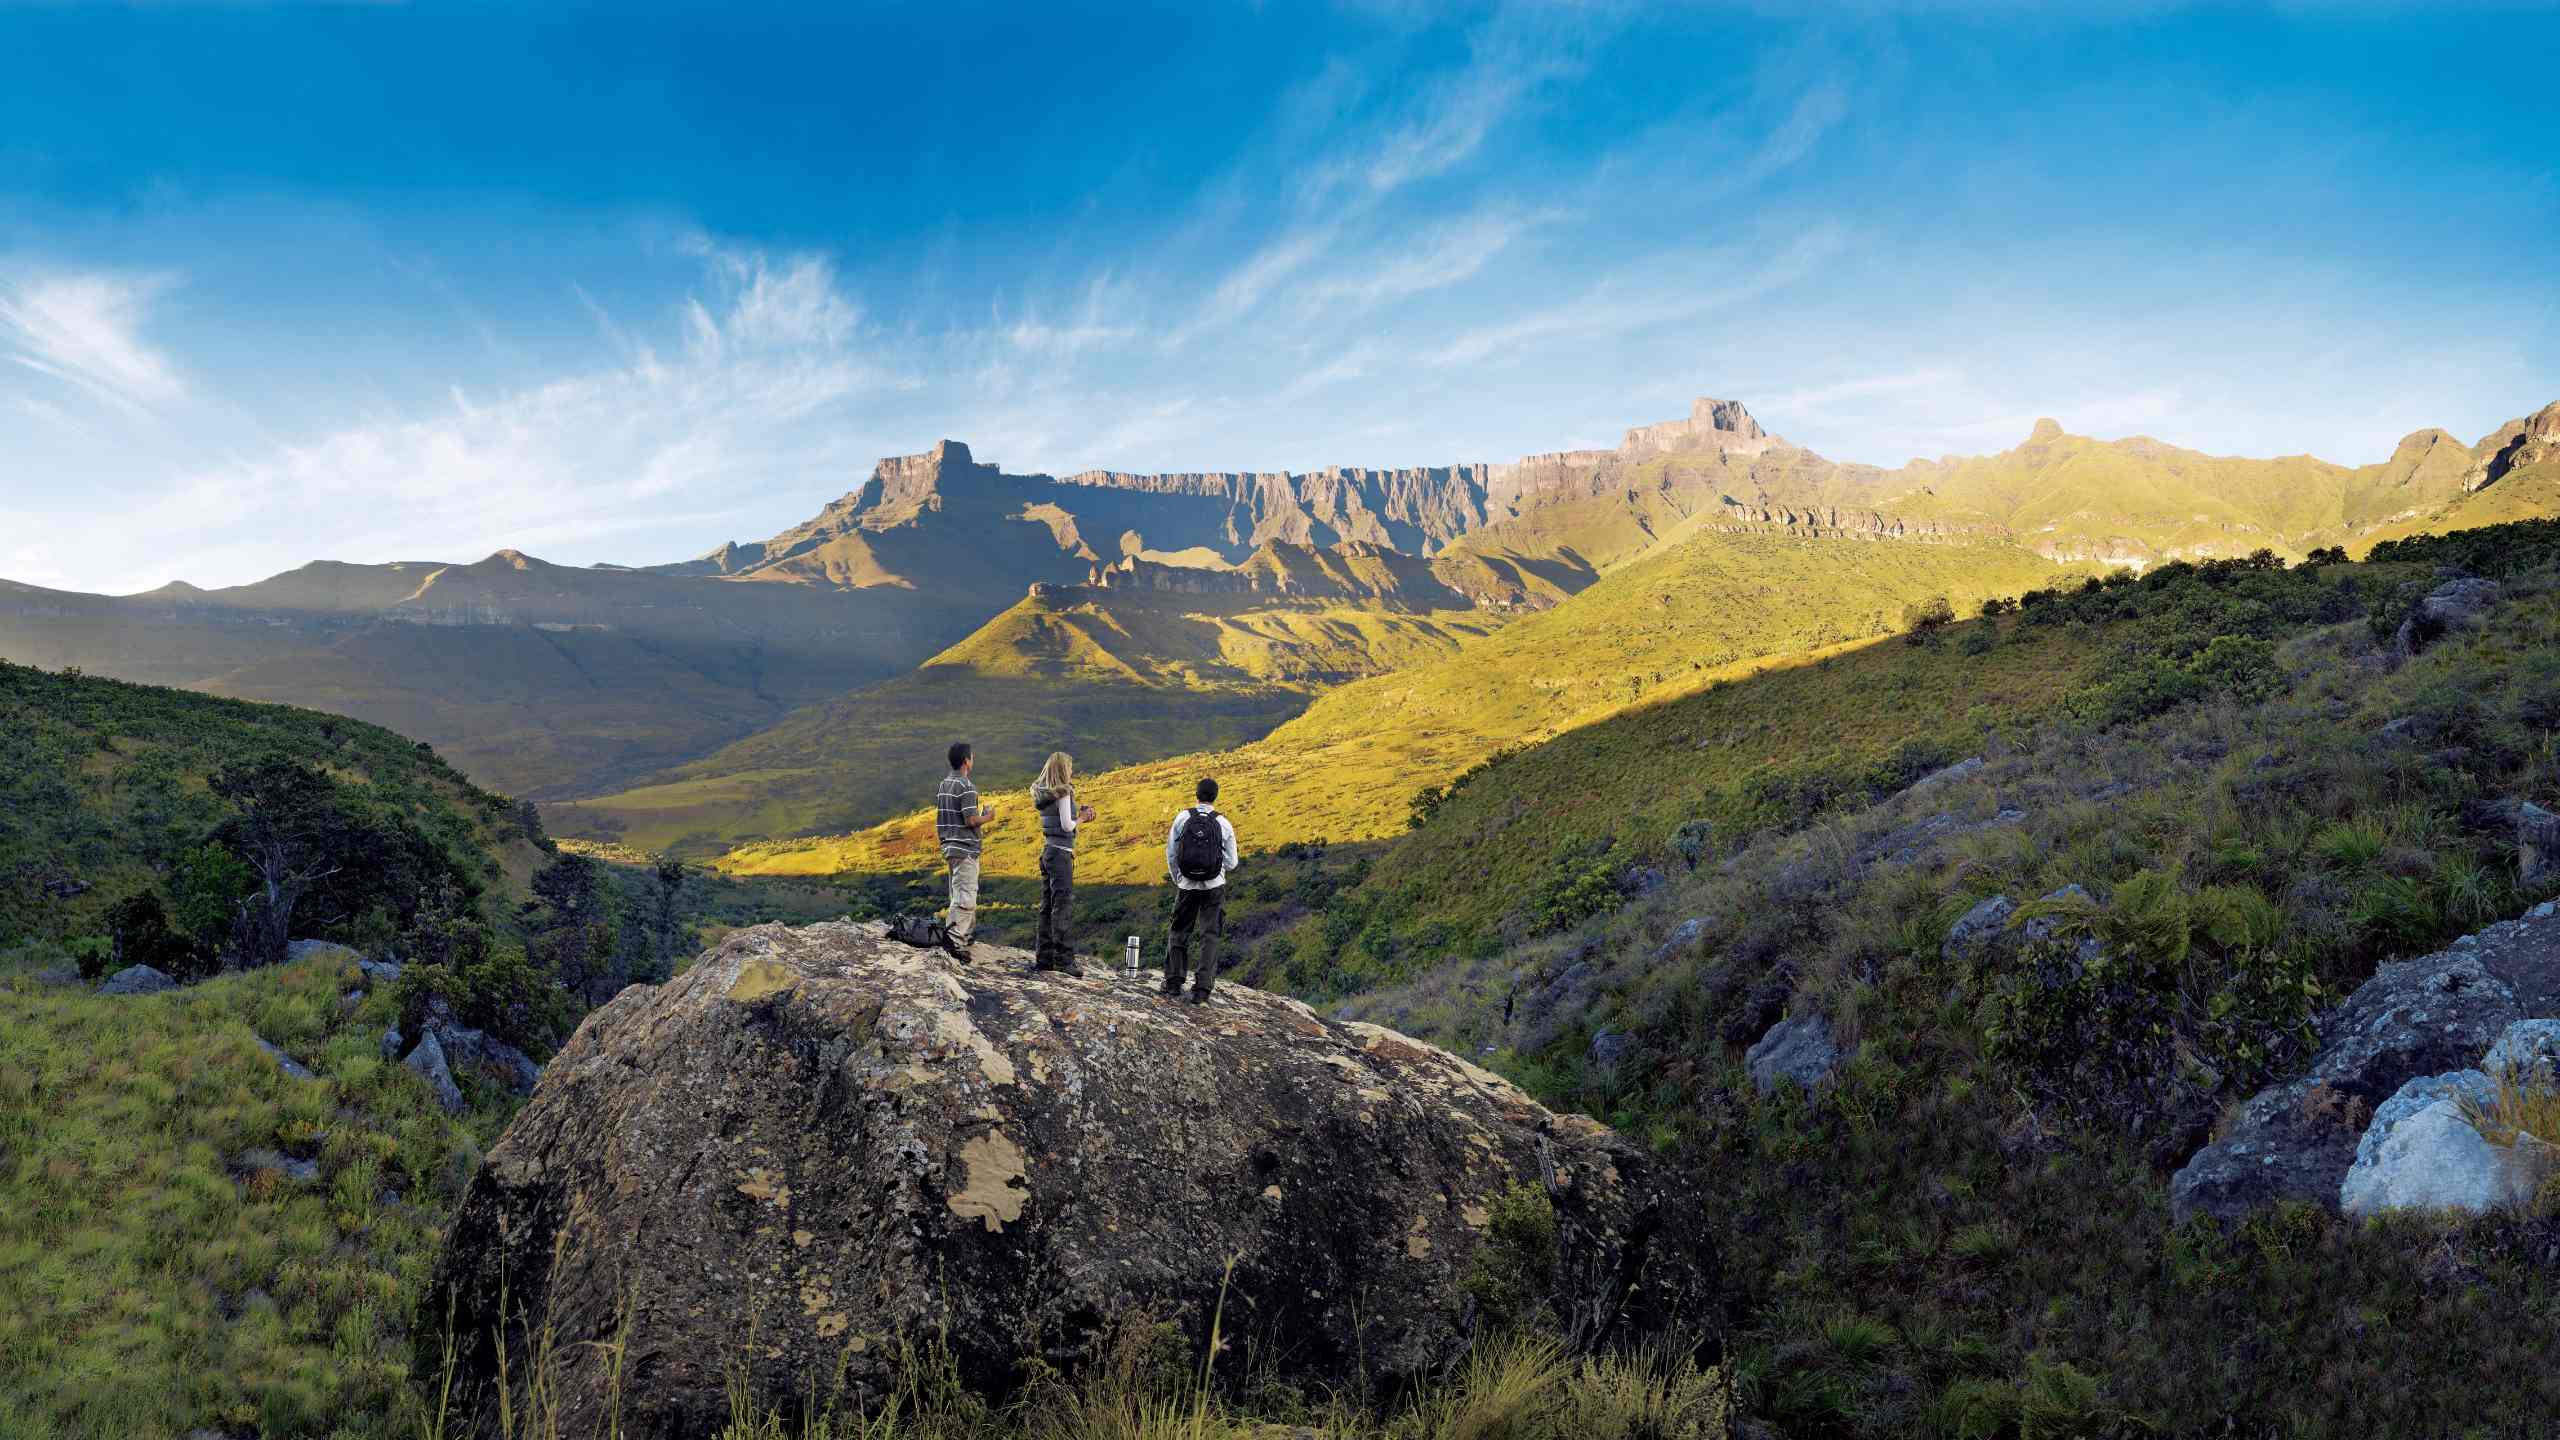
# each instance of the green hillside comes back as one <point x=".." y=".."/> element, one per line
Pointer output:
<point x="1348" y="767"/>
<point x="1966" y="1231"/>
<point x="104" y="793"/>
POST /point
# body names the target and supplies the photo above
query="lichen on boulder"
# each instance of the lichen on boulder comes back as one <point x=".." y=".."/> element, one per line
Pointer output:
<point x="818" y="1146"/>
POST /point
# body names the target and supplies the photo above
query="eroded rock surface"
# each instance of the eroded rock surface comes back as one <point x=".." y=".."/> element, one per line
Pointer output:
<point x="2433" y="1015"/>
<point x="817" y="1143"/>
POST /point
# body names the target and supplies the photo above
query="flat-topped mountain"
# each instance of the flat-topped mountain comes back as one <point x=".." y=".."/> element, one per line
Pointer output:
<point x="555" y="680"/>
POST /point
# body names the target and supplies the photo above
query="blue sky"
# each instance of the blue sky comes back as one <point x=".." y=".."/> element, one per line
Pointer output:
<point x="617" y="283"/>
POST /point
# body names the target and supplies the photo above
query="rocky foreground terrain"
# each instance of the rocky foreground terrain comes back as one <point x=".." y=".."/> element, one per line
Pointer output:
<point x="819" y="1144"/>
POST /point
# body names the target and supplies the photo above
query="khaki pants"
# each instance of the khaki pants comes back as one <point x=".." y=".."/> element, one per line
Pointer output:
<point x="962" y="921"/>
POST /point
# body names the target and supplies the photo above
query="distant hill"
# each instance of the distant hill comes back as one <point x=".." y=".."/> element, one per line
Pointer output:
<point x="1712" y="602"/>
<point x="1149" y="660"/>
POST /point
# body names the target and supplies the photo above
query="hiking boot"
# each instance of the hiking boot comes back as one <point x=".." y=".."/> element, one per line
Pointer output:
<point x="1196" y="997"/>
<point x="1058" y="967"/>
<point x="956" y="949"/>
<point x="1168" y="992"/>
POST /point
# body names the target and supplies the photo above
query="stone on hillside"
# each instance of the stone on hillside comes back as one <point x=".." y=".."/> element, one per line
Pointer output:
<point x="284" y="1062"/>
<point x="304" y="1172"/>
<point x="1642" y="880"/>
<point x="136" y="980"/>
<point x="2537" y="845"/>
<point x="1979" y="930"/>
<point x="379" y="972"/>
<point x="1609" y="1047"/>
<point x="2529" y="1046"/>
<point x="392" y="1044"/>
<point x="2400" y="731"/>
<point x="833" y="1143"/>
<point x="2449" y="606"/>
<point x="2427" y="1016"/>
<point x="479" y="1053"/>
<point x="1799" y="1049"/>
<point x="1690" y="932"/>
<point x="2421" y="1154"/>
<point x="299" y="950"/>
<point x="429" y="1063"/>
<point x="1964" y="769"/>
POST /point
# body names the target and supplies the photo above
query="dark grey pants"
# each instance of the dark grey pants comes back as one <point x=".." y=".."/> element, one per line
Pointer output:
<point x="1055" y="949"/>
<point x="1201" y="913"/>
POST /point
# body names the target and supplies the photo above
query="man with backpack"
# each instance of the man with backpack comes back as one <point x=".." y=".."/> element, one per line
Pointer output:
<point x="957" y="819"/>
<point x="1197" y="856"/>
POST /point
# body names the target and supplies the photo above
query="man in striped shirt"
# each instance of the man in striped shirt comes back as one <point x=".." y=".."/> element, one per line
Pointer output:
<point x="957" y="819"/>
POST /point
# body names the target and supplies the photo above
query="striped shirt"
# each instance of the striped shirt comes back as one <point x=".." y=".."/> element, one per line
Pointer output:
<point x="955" y="804"/>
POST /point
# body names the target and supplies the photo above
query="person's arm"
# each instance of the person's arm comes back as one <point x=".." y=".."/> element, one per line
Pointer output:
<point x="1172" y="849"/>
<point x="1227" y="832"/>
<point x="1067" y="812"/>
<point x="976" y="814"/>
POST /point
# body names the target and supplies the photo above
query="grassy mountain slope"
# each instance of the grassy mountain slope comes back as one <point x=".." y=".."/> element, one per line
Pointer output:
<point x="2530" y="493"/>
<point x="1967" y="1231"/>
<point x="1115" y="677"/>
<point x="102" y="786"/>
<point x="1350" y="765"/>
<point x="161" y="1273"/>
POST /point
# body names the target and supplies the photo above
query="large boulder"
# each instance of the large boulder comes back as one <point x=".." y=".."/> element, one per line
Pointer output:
<point x="428" y="1063"/>
<point x="2423" y="1017"/>
<point x="828" y="1144"/>
<point x="2420" y="1153"/>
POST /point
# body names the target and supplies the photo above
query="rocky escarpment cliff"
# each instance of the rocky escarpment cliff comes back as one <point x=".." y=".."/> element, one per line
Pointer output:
<point x="818" y="1143"/>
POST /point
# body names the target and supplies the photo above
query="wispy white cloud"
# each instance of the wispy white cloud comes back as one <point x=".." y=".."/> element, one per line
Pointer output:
<point x="84" y="329"/>
<point x="1646" y="296"/>
<point x="769" y="350"/>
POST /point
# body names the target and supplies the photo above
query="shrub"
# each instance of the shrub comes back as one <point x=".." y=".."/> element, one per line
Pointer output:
<point x="2240" y="667"/>
<point x="1924" y="618"/>
<point x="92" y="954"/>
<point x="142" y="937"/>
<point x="1513" y="1271"/>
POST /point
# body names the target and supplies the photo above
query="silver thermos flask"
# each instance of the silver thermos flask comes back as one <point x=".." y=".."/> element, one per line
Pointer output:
<point x="1133" y="955"/>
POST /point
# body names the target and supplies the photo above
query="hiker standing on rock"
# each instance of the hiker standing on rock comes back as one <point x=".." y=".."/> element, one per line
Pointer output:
<point x="1054" y="796"/>
<point x="957" y="818"/>
<point x="1197" y="855"/>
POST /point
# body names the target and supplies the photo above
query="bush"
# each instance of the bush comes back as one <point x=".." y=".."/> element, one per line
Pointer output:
<point x="2240" y="667"/>
<point x="1924" y="618"/>
<point x="1513" y="1271"/>
<point x="142" y="937"/>
<point x="92" y="954"/>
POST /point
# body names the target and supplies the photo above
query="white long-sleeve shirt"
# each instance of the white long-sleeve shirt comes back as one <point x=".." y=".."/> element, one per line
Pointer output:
<point x="1173" y="847"/>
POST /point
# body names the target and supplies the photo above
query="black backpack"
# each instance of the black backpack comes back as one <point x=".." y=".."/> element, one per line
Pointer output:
<point x="922" y="931"/>
<point x="1200" y="853"/>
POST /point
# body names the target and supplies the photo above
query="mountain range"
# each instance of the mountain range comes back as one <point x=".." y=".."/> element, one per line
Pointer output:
<point x="1143" y="616"/>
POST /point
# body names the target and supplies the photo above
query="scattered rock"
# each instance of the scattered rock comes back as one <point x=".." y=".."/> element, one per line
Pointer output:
<point x="1979" y="930"/>
<point x="392" y="1044"/>
<point x="58" y="975"/>
<point x="306" y="1172"/>
<point x="284" y="1062"/>
<point x="66" y="887"/>
<point x="2537" y="845"/>
<point x="1961" y="770"/>
<point x="379" y="972"/>
<point x="481" y="1054"/>
<point x="2432" y="1015"/>
<point x="1689" y="933"/>
<point x="1642" y="880"/>
<point x="1797" y="1049"/>
<point x="2421" y="1154"/>
<point x="429" y="1062"/>
<point x="2402" y="731"/>
<point x="299" y="950"/>
<point x="827" y="1141"/>
<point x="2450" y="606"/>
<point x="2528" y="1046"/>
<point x="136" y="980"/>
<point x="1609" y="1047"/>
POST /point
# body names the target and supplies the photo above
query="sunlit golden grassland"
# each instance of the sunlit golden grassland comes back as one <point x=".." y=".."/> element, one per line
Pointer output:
<point x="1707" y="610"/>
<point x="155" y="1277"/>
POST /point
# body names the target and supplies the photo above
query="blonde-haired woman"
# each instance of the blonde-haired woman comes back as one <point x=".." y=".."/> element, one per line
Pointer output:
<point x="1054" y="796"/>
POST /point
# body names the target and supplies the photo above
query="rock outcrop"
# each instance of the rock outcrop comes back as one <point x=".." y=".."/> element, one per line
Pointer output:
<point x="2421" y="1154"/>
<point x="818" y="1142"/>
<point x="136" y="980"/>
<point x="2431" y="1016"/>
<point x="1798" y="1050"/>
